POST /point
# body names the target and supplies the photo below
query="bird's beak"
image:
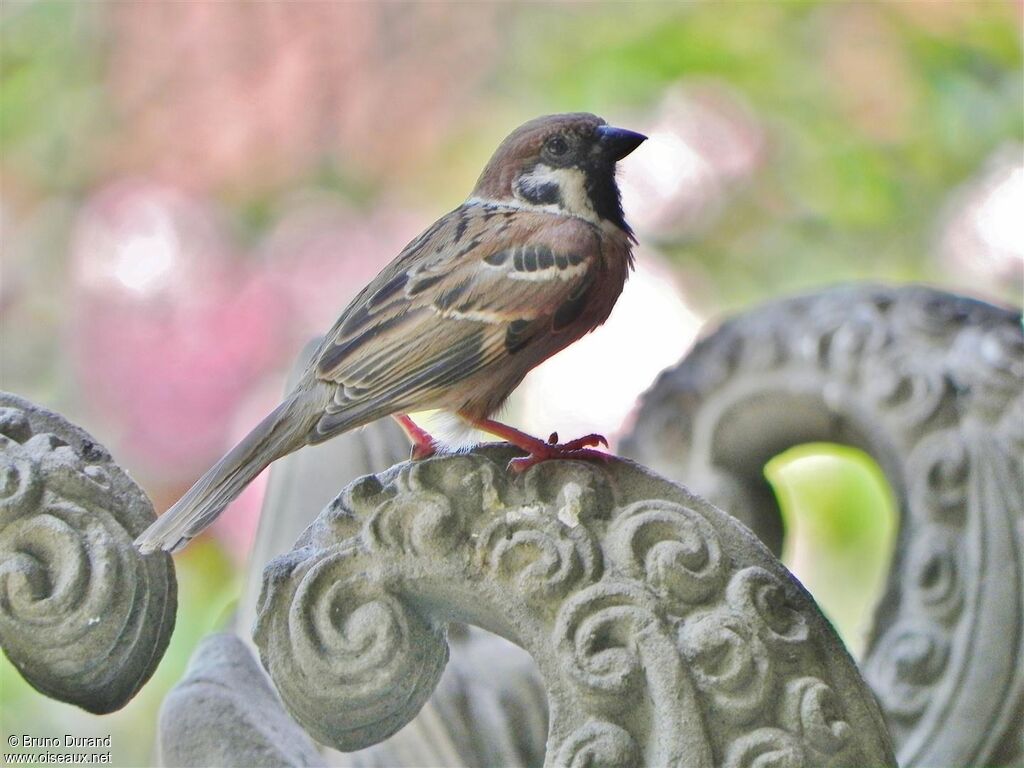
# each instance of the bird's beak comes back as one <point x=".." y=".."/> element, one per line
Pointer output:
<point x="616" y="143"/>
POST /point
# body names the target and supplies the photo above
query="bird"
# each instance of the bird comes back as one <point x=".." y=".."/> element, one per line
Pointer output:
<point x="532" y="261"/>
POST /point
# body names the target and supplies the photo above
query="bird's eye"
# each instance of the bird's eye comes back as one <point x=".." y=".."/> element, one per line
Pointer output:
<point x="557" y="146"/>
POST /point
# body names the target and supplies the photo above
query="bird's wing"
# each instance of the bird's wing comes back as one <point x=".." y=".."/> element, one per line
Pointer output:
<point x="481" y="285"/>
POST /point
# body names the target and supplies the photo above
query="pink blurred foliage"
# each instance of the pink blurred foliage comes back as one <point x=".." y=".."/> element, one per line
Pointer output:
<point x="180" y="338"/>
<point x="169" y="325"/>
<point x="180" y="341"/>
<point x="250" y="95"/>
<point x="320" y="253"/>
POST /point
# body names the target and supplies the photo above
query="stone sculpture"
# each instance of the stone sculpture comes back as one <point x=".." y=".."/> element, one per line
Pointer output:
<point x="932" y="386"/>
<point x="664" y="632"/>
<point x="225" y="713"/>
<point x="83" y="616"/>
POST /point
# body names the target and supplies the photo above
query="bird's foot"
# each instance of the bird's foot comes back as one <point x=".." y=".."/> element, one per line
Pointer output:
<point x="539" y="450"/>
<point x="580" y="442"/>
<point x="561" y="451"/>
<point x="423" y="445"/>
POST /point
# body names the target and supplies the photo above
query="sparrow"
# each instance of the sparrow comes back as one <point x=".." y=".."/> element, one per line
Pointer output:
<point x="531" y="262"/>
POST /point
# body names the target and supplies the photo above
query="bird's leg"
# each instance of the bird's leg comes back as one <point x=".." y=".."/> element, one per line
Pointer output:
<point x="423" y="445"/>
<point x="539" y="450"/>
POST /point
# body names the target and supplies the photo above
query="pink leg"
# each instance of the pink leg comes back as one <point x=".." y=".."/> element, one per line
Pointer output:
<point x="540" y="450"/>
<point x="422" y="443"/>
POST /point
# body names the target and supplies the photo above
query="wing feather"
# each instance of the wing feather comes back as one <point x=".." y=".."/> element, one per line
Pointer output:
<point x="474" y="288"/>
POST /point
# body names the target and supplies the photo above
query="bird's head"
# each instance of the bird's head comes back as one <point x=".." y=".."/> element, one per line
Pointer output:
<point x="562" y="164"/>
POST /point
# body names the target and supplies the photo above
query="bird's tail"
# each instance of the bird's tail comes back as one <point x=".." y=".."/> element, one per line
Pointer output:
<point x="282" y="432"/>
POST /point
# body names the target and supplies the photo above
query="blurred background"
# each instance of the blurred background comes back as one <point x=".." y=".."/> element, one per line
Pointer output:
<point x="192" y="190"/>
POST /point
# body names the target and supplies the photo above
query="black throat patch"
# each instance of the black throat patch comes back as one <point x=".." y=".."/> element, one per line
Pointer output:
<point x="604" y="195"/>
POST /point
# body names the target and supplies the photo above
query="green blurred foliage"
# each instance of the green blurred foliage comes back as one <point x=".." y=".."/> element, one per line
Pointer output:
<point x="844" y="197"/>
<point x="52" y="100"/>
<point x="840" y="522"/>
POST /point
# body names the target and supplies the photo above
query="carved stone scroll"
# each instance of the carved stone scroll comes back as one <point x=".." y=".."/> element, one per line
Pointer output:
<point x="932" y="386"/>
<point x="83" y="616"/>
<point x="664" y="633"/>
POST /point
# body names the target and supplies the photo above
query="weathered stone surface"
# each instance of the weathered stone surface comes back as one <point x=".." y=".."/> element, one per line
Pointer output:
<point x="489" y="709"/>
<point x="301" y="484"/>
<point x="663" y="631"/>
<point x="83" y="616"/>
<point x="224" y="713"/>
<point x="491" y="701"/>
<point x="932" y="386"/>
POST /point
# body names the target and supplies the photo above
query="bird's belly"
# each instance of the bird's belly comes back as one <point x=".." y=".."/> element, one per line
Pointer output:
<point x="482" y="394"/>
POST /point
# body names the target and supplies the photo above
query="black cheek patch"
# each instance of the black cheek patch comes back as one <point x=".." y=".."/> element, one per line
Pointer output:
<point x="547" y="193"/>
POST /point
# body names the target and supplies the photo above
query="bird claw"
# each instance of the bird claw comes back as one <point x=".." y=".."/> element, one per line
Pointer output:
<point x="574" y="449"/>
<point x="585" y="442"/>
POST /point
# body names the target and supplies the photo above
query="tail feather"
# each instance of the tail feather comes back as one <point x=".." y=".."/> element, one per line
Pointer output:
<point x="280" y="433"/>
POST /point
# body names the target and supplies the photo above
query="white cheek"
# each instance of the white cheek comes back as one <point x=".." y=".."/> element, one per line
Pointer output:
<point x="574" y="191"/>
<point x="571" y="184"/>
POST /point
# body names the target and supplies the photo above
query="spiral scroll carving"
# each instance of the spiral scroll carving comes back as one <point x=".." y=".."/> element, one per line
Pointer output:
<point x="599" y="745"/>
<point x="673" y="549"/>
<point x="932" y="386"/>
<point x="347" y="638"/>
<point x="623" y="587"/>
<point x="730" y="663"/>
<point x="83" y="616"/>
<point x="765" y="748"/>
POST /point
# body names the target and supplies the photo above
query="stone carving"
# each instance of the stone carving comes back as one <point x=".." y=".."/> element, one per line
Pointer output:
<point x="664" y="633"/>
<point x="83" y="616"/>
<point x="488" y="709"/>
<point x="225" y="713"/>
<point x="303" y="482"/>
<point x="932" y="386"/>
